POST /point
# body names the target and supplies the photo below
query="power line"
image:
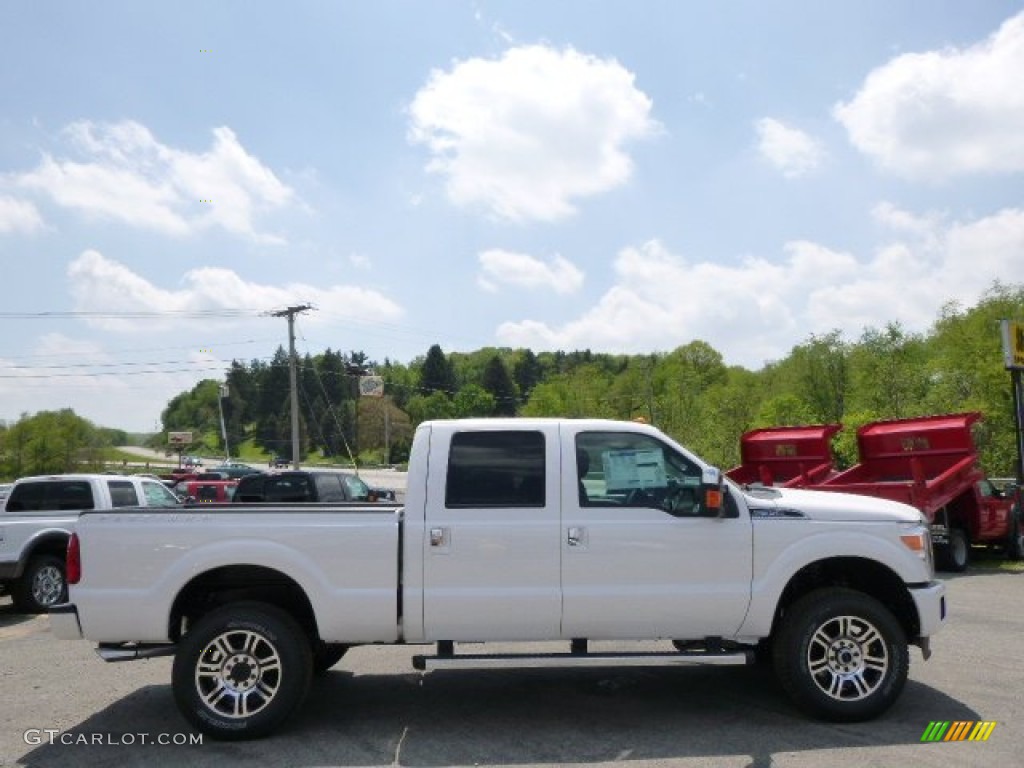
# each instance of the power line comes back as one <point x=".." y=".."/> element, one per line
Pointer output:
<point x="136" y="350"/>
<point x="131" y="315"/>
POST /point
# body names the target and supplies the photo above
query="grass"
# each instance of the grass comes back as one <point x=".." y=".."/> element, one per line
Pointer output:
<point x="995" y="561"/>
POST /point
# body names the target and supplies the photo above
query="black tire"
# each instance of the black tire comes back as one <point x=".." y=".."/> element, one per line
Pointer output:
<point x="956" y="554"/>
<point x="41" y="585"/>
<point x="244" y="656"/>
<point x="326" y="655"/>
<point x="1015" y="540"/>
<point x="841" y="655"/>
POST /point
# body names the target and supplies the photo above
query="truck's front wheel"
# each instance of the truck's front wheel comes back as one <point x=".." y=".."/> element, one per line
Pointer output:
<point x="955" y="555"/>
<point x="326" y="655"/>
<point x="242" y="670"/>
<point x="841" y="655"/>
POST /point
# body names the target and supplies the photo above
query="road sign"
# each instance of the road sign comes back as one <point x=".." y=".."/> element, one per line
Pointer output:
<point x="179" y="438"/>
<point x="371" y="386"/>
<point x="1013" y="345"/>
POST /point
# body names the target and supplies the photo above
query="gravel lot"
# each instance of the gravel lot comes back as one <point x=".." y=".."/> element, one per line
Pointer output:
<point x="373" y="709"/>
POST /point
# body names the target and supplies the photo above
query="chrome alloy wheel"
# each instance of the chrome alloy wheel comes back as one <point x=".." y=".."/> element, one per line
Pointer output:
<point x="238" y="674"/>
<point x="847" y="658"/>
<point x="47" y="585"/>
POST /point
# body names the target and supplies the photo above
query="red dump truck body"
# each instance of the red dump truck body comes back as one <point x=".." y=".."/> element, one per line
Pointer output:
<point x="931" y="463"/>
<point x="792" y="457"/>
<point x="926" y="462"/>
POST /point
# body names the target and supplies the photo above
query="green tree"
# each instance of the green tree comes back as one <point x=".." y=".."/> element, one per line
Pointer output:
<point x="497" y="381"/>
<point x="966" y="371"/>
<point x="196" y="411"/>
<point x="51" y="442"/>
<point x="473" y="400"/>
<point x="436" y="405"/>
<point x="527" y="372"/>
<point x="824" y="375"/>
<point x="889" y="371"/>
<point x="437" y="374"/>
<point x="273" y="406"/>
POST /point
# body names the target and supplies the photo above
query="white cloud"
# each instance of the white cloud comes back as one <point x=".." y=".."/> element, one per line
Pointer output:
<point x="790" y="150"/>
<point x="18" y="216"/>
<point x="129" y="176"/>
<point x="102" y="285"/>
<point x="65" y="372"/>
<point x="526" y="135"/>
<point x="944" y="113"/>
<point x="360" y="261"/>
<point x="524" y="271"/>
<point x="757" y="310"/>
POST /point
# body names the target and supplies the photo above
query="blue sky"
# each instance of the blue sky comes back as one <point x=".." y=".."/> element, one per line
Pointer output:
<point x="619" y="176"/>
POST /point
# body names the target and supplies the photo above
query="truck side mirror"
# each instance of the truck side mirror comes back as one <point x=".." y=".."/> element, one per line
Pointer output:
<point x="712" y="491"/>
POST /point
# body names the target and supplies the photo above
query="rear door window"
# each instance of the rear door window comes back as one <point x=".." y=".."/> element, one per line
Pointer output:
<point x="328" y="487"/>
<point x="288" y="488"/>
<point x="250" y="488"/>
<point x="122" y="493"/>
<point x="27" y="497"/>
<point x="496" y="469"/>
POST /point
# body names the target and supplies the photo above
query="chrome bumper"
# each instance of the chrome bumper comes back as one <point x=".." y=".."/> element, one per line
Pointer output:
<point x="930" y="600"/>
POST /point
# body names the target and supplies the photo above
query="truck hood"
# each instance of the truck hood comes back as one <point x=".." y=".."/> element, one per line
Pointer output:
<point x="824" y="505"/>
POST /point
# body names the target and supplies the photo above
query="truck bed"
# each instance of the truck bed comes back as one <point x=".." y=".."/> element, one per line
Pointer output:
<point x="344" y="556"/>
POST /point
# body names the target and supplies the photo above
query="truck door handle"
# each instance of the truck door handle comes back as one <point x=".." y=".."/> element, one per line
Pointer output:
<point x="438" y="537"/>
<point x="575" y="537"/>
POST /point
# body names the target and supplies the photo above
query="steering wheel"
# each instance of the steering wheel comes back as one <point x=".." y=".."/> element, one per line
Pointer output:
<point x="680" y="499"/>
<point x="638" y="497"/>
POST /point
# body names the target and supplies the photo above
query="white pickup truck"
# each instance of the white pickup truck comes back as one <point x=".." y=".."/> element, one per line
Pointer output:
<point x="514" y="530"/>
<point x="36" y="522"/>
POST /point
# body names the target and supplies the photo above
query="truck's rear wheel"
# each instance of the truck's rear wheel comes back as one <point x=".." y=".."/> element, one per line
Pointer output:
<point x="242" y="671"/>
<point x="41" y="585"/>
<point x="841" y="655"/>
<point x="1015" y="540"/>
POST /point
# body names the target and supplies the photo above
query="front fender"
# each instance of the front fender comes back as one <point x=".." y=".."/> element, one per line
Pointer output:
<point x="781" y="552"/>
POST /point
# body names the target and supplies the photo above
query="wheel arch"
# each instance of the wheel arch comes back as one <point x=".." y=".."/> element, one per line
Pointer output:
<point x="51" y="542"/>
<point x="864" y="575"/>
<point x="237" y="583"/>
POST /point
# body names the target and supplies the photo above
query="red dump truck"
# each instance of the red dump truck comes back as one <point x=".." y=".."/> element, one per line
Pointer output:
<point x="929" y="462"/>
<point x="791" y="457"/>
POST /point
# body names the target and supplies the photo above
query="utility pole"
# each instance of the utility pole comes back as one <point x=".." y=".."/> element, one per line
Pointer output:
<point x="223" y="430"/>
<point x="290" y="313"/>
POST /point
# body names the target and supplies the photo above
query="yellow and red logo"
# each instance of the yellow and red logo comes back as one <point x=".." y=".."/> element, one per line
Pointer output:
<point x="958" y="730"/>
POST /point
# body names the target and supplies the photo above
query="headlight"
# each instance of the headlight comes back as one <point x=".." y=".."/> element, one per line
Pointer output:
<point x="920" y="543"/>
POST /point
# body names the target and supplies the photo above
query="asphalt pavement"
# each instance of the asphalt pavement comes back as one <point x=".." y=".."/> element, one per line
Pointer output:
<point x="64" y="707"/>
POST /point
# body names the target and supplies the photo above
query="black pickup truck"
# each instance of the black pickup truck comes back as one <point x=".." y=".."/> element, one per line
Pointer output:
<point x="308" y="485"/>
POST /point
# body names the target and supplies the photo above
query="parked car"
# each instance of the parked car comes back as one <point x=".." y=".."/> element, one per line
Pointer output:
<point x="206" y="490"/>
<point x="37" y="519"/>
<point x="307" y="485"/>
<point x="191" y="461"/>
